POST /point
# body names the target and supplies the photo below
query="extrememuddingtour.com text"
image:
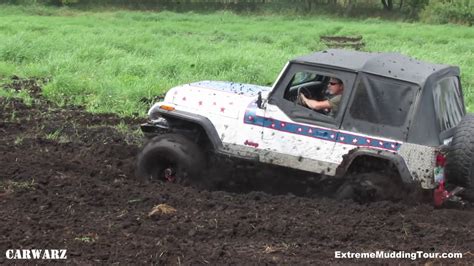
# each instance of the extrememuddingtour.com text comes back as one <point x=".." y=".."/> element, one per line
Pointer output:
<point x="397" y="255"/>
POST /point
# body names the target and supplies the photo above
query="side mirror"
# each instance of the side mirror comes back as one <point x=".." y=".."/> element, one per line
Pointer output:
<point x="259" y="100"/>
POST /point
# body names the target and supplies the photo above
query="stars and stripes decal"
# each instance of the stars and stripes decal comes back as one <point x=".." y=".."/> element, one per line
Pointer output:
<point x="317" y="132"/>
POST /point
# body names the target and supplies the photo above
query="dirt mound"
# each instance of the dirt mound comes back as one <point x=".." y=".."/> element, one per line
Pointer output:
<point x="67" y="182"/>
<point x="31" y="85"/>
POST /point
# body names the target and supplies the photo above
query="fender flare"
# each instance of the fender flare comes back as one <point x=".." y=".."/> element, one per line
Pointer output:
<point x="393" y="157"/>
<point x="200" y="120"/>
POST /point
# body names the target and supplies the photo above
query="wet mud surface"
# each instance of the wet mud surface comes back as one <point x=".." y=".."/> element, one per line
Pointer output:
<point x="67" y="181"/>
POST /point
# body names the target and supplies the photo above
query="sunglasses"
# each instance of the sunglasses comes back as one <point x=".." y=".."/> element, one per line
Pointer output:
<point x="333" y="83"/>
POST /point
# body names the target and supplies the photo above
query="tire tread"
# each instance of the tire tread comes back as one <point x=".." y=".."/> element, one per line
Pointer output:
<point x="460" y="156"/>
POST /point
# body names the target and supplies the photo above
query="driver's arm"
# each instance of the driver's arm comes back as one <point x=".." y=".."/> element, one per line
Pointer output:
<point x="316" y="105"/>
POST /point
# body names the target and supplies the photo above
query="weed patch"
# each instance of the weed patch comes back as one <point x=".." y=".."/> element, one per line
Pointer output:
<point x="11" y="186"/>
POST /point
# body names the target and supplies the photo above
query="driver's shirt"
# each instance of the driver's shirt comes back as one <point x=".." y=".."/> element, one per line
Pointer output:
<point x="334" y="102"/>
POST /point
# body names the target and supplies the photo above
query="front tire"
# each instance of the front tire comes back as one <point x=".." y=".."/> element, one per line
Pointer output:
<point x="171" y="158"/>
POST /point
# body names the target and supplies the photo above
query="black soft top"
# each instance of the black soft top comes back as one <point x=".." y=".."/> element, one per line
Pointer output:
<point x="393" y="65"/>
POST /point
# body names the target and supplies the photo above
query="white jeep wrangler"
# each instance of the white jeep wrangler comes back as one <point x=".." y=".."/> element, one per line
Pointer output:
<point x="394" y="111"/>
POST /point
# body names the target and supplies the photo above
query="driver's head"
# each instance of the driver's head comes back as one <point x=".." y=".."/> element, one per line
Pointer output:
<point x="335" y="86"/>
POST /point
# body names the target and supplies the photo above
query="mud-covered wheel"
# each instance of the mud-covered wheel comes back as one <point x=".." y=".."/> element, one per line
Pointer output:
<point x="171" y="158"/>
<point x="460" y="156"/>
<point x="368" y="187"/>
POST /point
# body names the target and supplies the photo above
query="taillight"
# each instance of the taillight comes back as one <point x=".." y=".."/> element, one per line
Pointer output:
<point x="440" y="159"/>
<point x="439" y="167"/>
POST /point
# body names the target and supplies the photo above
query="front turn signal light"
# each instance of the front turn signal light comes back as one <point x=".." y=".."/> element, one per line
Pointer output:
<point x="167" y="107"/>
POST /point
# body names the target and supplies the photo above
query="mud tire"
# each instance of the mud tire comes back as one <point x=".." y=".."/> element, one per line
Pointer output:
<point x="171" y="151"/>
<point x="369" y="187"/>
<point x="460" y="156"/>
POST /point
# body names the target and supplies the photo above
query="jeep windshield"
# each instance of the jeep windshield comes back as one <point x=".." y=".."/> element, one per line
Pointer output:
<point x="303" y="77"/>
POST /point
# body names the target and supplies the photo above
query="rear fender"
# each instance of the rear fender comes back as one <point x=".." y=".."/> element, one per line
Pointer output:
<point x="388" y="156"/>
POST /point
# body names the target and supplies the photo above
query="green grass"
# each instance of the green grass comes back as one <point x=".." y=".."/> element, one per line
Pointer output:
<point x="14" y="186"/>
<point x="108" y="61"/>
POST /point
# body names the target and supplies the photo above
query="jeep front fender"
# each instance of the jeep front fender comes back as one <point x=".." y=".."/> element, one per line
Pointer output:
<point x="199" y="120"/>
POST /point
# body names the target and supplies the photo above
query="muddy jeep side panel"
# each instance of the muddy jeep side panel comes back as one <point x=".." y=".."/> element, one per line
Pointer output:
<point x="288" y="143"/>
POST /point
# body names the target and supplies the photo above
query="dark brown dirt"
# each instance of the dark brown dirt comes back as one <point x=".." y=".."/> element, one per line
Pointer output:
<point x="67" y="182"/>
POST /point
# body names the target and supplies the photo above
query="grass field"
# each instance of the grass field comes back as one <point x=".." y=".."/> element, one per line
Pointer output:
<point x="109" y="60"/>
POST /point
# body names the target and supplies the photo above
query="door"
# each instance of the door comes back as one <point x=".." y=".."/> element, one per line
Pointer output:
<point x="297" y="136"/>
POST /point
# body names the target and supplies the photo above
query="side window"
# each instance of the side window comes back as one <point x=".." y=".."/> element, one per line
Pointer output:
<point x="316" y="91"/>
<point x="381" y="101"/>
<point x="448" y="103"/>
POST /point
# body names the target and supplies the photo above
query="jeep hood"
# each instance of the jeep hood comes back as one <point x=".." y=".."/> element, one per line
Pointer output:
<point x="248" y="90"/>
<point x="214" y="97"/>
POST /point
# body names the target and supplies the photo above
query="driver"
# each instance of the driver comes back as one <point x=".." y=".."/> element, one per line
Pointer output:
<point x="335" y="88"/>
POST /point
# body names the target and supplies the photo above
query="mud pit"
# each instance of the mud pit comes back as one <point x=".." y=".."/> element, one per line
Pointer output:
<point x="67" y="182"/>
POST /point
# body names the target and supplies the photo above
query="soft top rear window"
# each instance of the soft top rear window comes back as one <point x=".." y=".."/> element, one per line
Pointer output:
<point x="448" y="103"/>
<point x="382" y="101"/>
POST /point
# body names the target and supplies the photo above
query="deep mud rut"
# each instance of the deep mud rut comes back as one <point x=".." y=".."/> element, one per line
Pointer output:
<point x="67" y="182"/>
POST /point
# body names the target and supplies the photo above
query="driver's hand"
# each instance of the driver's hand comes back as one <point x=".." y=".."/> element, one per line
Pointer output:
<point x="303" y="99"/>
